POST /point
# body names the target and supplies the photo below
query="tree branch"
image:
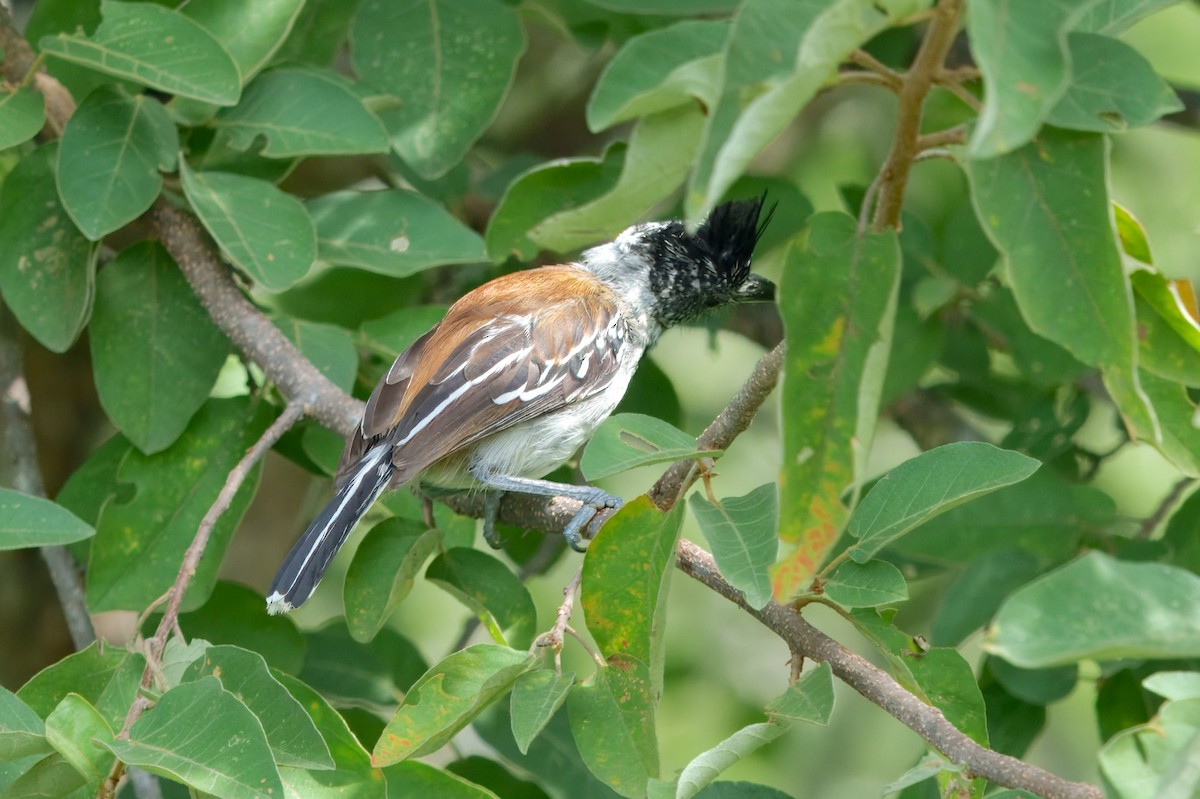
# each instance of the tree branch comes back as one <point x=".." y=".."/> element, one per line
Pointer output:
<point x="926" y="68"/>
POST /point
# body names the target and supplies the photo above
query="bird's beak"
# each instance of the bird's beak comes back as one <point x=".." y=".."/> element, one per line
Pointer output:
<point x="756" y="289"/>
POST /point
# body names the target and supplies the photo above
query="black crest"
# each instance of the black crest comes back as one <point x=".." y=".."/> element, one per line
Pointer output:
<point x="694" y="272"/>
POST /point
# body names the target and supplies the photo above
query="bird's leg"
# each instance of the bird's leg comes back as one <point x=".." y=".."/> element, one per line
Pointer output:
<point x="491" y="509"/>
<point x="594" y="499"/>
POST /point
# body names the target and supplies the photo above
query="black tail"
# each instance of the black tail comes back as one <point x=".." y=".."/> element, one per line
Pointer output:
<point x="304" y="566"/>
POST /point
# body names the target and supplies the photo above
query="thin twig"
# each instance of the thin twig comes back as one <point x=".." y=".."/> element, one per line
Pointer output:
<point x="191" y="558"/>
<point x="553" y="638"/>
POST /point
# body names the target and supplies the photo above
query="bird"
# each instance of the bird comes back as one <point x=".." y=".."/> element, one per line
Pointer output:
<point x="521" y="371"/>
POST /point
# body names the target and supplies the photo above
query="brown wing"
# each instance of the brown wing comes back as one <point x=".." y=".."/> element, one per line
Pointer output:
<point x="520" y="346"/>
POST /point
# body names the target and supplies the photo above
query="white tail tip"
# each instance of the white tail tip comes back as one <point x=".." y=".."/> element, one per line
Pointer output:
<point x="277" y="605"/>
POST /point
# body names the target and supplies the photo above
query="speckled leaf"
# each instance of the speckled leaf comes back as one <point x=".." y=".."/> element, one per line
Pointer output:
<point x="626" y="577"/>
<point x="451" y="61"/>
<point x="391" y="232"/>
<point x="447" y="698"/>
<point x="259" y="228"/>
<point x="47" y="267"/>
<point x="612" y="721"/>
<point x="838" y="303"/>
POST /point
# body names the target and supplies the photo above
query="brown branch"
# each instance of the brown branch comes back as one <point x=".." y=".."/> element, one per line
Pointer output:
<point x="917" y="82"/>
<point x="250" y="331"/>
<point x="191" y="559"/>
<point x="879" y="688"/>
<point x="18" y="59"/>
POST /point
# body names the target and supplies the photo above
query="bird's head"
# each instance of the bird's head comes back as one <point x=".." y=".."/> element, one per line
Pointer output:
<point x="676" y="275"/>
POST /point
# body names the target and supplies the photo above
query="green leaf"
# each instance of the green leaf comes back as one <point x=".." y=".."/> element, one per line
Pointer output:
<point x="382" y="573"/>
<point x="221" y="750"/>
<point x="156" y="47"/>
<point x="778" y="55"/>
<point x="612" y="721"/>
<point x="1044" y="515"/>
<point x="741" y="532"/>
<point x="352" y="776"/>
<point x="21" y="731"/>
<point x="1156" y="759"/>
<point x="146" y="314"/>
<point x="109" y="162"/>
<point x="391" y="232"/>
<point x="293" y="739"/>
<point x="1131" y="610"/>
<point x="930" y="484"/>
<point x="249" y="33"/>
<point x="541" y="192"/>
<point x="447" y="698"/>
<point x="259" y="228"/>
<point x="1112" y="87"/>
<point x="866" y="585"/>
<point x="660" y="69"/>
<point x="80" y="734"/>
<point x="451" y="61"/>
<point x="1174" y="684"/>
<point x="628" y="440"/>
<point x="411" y="778"/>
<point x="395" y="332"/>
<point x="975" y="595"/>
<point x="668" y="6"/>
<point x="1116" y="16"/>
<point x="659" y="156"/>
<point x="1025" y="71"/>
<point x="302" y="112"/>
<point x="29" y="521"/>
<point x="106" y="677"/>
<point x="22" y="114"/>
<point x="942" y="677"/>
<point x="838" y="302"/>
<point x="1176" y="416"/>
<point x="328" y="347"/>
<point x="809" y="699"/>
<point x="351" y="673"/>
<point x="319" y="34"/>
<point x="553" y="758"/>
<point x="626" y="579"/>
<point x="47" y="267"/>
<point x="1047" y="204"/>
<point x="1035" y="686"/>
<point x="490" y="590"/>
<point x="536" y="697"/>
<point x="141" y="537"/>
